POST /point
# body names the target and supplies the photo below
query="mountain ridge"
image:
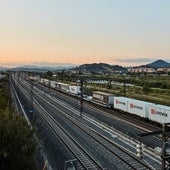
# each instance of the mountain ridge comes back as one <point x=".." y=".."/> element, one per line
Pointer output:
<point x="99" y="68"/>
<point x="106" y="68"/>
<point x="93" y="67"/>
<point x="159" y="64"/>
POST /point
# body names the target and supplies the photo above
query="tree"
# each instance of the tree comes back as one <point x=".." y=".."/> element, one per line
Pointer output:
<point x="48" y="74"/>
<point x="109" y="85"/>
<point x="146" y="88"/>
<point x="17" y="145"/>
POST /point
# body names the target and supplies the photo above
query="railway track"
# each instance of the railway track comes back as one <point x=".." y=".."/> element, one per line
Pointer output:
<point x="87" y="160"/>
<point x="127" y="118"/>
<point x="120" y="154"/>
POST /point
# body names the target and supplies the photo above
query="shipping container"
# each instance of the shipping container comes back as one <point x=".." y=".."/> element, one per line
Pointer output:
<point x="139" y="108"/>
<point x="74" y="89"/>
<point x="41" y="80"/>
<point x="64" y="87"/>
<point x="46" y="82"/>
<point x="121" y="103"/>
<point x="53" y="84"/>
<point x="159" y="113"/>
<point x="57" y="85"/>
<point x="106" y="99"/>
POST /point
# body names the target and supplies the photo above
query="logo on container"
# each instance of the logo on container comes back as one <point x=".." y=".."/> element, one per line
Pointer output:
<point x="153" y="111"/>
<point x="131" y="105"/>
<point x="120" y="102"/>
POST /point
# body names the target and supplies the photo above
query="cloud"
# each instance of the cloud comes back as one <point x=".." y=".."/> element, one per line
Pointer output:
<point x="134" y="60"/>
<point x="38" y="64"/>
<point x="50" y="63"/>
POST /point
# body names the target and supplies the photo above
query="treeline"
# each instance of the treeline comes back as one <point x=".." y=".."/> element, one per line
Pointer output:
<point x="152" y="82"/>
<point x="162" y="82"/>
<point x="17" y="145"/>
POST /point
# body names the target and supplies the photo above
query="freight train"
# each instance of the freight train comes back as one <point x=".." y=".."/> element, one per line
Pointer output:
<point x="148" y="110"/>
<point x="72" y="89"/>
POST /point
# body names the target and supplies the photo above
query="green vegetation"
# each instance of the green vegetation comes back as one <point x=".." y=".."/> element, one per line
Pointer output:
<point x="17" y="145"/>
<point x="148" y="87"/>
<point x="143" y="91"/>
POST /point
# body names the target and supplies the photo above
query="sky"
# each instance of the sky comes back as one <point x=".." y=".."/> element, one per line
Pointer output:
<point x="123" y="32"/>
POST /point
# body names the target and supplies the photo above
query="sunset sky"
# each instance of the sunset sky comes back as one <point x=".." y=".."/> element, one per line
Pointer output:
<point x="124" y="32"/>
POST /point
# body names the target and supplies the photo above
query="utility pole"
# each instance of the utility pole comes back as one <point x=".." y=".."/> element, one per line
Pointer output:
<point x="81" y="97"/>
<point x="124" y="87"/>
<point x="31" y="100"/>
<point x="18" y="78"/>
<point x="165" y="153"/>
<point x="163" y="146"/>
<point x="49" y="87"/>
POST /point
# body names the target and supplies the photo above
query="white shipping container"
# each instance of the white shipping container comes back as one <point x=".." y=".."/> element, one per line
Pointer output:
<point x="41" y="80"/>
<point x="139" y="108"/>
<point x="74" y="89"/>
<point x="64" y="87"/>
<point x="89" y="98"/>
<point x="57" y="85"/>
<point x="53" y="84"/>
<point x="46" y="81"/>
<point x="121" y="103"/>
<point x="159" y="113"/>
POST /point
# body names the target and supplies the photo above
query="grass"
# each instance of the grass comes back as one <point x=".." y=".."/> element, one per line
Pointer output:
<point x="158" y="96"/>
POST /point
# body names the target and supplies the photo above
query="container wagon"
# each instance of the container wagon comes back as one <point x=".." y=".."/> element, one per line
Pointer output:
<point x="159" y="113"/>
<point x="105" y="99"/>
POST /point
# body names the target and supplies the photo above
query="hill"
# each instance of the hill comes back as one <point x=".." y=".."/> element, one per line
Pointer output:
<point x="159" y="64"/>
<point x="109" y="69"/>
<point x="99" y="68"/>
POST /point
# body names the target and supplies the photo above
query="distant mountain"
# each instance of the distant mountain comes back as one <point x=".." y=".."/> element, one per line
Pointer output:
<point x="85" y="68"/>
<point x="159" y="64"/>
<point x="106" y="68"/>
<point x="3" y="69"/>
<point x="99" y="68"/>
<point x="43" y="67"/>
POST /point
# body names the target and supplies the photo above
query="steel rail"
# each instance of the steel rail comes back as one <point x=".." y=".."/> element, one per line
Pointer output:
<point x="130" y="159"/>
<point x="86" y="160"/>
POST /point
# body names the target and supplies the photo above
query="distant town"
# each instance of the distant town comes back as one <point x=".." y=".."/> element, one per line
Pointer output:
<point x="148" y="70"/>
